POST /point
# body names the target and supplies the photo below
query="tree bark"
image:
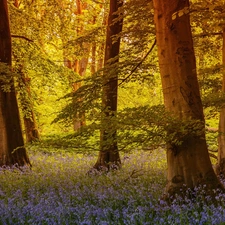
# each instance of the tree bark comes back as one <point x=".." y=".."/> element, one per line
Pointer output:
<point x="30" y="124"/>
<point x="93" y="58"/>
<point x="78" y="65"/>
<point x="29" y="120"/>
<point x="80" y="68"/>
<point x="220" y="168"/>
<point x="188" y="163"/>
<point x="12" y="151"/>
<point x="109" y="154"/>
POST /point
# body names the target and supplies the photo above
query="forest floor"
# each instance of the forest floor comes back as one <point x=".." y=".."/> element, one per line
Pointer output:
<point x="58" y="191"/>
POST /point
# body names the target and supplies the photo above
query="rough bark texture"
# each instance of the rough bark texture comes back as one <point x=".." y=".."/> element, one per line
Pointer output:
<point x="108" y="154"/>
<point x="189" y="163"/>
<point x="221" y="139"/>
<point x="12" y="149"/>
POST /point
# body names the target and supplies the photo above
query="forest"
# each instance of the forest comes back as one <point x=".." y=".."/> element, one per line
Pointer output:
<point x="112" y="112"/>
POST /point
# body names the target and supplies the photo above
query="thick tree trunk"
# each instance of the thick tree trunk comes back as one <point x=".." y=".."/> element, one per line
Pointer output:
<point x="109" y="155"/>
<point x="12" y="151"/>
<point x="189" y="163"/>
<point x="220" y="169"/>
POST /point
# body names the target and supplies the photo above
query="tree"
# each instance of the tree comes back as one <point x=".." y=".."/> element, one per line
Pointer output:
<point x="30" y="125"/>
<point x="221" y="138"/>
<point x="108" y="154"/>
<point x="12" y="151"/>
<point x="79" y="65"/>
<point x="188" y="159"/>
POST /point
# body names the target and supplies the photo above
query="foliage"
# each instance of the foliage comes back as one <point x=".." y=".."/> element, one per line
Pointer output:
<point x="207" y="24"/>
<point x="6" y="77"/>
<point x="41" y="51"/>
<point x="140" y="127"/>
<point x="39" y="43"/>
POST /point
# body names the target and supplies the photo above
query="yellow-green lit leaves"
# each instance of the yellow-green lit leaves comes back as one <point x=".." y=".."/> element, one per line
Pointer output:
<point x="180" y="13"/>
<point x="6" y="75"/>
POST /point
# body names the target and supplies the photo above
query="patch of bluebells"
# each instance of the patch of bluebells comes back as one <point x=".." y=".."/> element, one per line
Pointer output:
<point x="59" y="191"/>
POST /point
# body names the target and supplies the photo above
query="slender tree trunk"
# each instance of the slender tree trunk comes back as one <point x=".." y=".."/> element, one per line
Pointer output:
<point x="189" y="163"/>
<point x="108" y="154"/>
<point x="101" y="47"/>
<point x="80" y="68"/>
<point x="100" y="61"/>
<point x="12" y="151"/>
<point x="30" y="124"/>
<point x="221" y="139"/>
<point x="93" y="53"/>
<point x="93" y="58"/>
<point x="78" y="65"/>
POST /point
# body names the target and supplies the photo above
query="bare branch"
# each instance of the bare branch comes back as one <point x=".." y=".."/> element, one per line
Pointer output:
<point x="22" y="37"/>
<point x="153" y="45"/>
<point x="207" y="34"/>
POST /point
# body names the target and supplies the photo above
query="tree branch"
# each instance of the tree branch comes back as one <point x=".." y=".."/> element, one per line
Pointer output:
<point x="208" y="34"/>
<point x="132" y="71"/>
<point x="22" y="37"/>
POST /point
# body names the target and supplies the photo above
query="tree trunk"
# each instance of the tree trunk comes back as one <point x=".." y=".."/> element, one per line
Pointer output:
<point x="93" y="53"/>
<point x="12" y="151"/>
<point x="220" y="169"/>
<point x="93" y="58"/>
<point x="78" y="65"/>
<point x="30" y="124"/>
<point x="80" y="68"/>
<point x="108" y="154"/>
<point x="101" y="46"/>
<point x="188" y="163"/>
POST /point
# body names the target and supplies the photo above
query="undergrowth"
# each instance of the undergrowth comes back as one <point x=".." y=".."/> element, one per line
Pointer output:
<point x="58" y="191"/>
